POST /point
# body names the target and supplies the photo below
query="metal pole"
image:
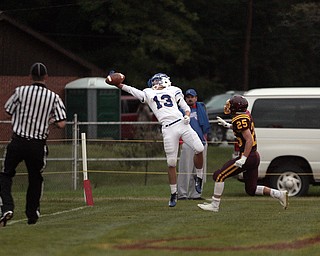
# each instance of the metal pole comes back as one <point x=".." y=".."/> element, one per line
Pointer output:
<point x="75" y="151"/>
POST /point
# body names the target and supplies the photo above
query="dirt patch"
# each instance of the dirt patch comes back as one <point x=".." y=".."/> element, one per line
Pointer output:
<point x="163" y="245"/>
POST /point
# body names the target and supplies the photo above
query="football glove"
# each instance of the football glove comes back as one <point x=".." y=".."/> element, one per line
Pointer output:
<point x="186" y="119"/>
<point x="223" y="123"/>
<point x="240" y="161"/>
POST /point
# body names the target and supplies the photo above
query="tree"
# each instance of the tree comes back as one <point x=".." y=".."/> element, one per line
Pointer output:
<point x="145" y="38"/>
<point x="199" y="43"/>
<point x="283" y="52"/>
<point x="246" y="51"/>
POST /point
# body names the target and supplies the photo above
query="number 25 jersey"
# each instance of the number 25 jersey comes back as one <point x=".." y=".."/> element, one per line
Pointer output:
<point x="241" y="123"/>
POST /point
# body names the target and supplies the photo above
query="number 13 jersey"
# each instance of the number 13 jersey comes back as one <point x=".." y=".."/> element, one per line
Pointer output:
<point x="164" y="103"/>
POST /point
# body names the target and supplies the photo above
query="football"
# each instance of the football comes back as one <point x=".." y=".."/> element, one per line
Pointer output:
<point x="115" y="78"/>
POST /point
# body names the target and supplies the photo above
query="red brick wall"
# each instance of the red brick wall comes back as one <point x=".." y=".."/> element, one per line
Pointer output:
<point x="9" y="83"/>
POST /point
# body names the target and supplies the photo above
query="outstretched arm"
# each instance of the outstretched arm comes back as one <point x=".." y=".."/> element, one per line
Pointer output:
<point x="133" y="91"/>
<point x="119" y="86"/>
<point x="224" y="123"/>
<point x="117" y="79"/>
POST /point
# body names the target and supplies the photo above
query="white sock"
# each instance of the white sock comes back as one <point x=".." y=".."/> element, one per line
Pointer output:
<point x="215" y="202"/>
<point x="259" y="190"/>
<point x="275" y="193"/>
<point x="173" y="188"/>
<point x="199" y="173"/>
<point x="218" y="189"/>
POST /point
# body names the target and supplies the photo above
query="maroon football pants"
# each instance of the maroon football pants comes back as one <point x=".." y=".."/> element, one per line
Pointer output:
<point x="249" y="170"/>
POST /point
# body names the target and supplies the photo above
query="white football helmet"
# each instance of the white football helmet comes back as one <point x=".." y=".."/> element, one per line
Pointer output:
<point x="159" y="80"/>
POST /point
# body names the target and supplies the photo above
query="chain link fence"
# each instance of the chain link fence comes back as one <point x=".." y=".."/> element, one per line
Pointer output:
<point x="111" y="161"/>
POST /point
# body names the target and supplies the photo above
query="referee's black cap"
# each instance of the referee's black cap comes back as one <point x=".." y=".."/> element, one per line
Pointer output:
<point x="38" y="69"/>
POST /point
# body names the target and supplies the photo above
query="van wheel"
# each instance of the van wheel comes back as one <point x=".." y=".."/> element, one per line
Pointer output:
<point x="290" y="179"/>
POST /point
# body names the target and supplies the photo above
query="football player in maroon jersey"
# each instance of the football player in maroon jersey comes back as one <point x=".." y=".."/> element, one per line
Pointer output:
<point x="248" y="160"/>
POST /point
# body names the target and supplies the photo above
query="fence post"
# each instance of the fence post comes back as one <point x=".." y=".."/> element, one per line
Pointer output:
<point x="75" y="151"/>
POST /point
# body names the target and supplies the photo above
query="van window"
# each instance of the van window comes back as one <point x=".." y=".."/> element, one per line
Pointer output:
<point x="287" y="113"/>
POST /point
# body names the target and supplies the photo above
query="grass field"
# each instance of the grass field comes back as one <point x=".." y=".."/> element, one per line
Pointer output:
<point x="135" y="220"/>
<point x="132" y="218"/>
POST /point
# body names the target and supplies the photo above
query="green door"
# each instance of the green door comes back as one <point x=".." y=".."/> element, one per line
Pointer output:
<point x="108" y="110"/>
<point x="76" y="103"/>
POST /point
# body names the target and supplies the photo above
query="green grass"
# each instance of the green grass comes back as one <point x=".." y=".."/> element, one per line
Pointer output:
<point x="131" y="216"/>
<point x="135" y="220"/>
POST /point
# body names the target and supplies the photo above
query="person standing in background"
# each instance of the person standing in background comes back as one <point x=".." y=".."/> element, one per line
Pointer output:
<point x="32" y="109"/>
<point x="188" y="187"/>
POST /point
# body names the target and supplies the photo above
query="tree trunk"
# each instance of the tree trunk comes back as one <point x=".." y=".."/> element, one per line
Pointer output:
<point x="247" y="47"/>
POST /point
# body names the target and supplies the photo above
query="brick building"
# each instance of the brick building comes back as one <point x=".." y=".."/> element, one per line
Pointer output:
<point x="20" y="47"/>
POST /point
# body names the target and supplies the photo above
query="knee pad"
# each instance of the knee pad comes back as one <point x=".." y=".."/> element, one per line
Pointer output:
<point x="199" y="149"/>
<point x="172" y="161"/>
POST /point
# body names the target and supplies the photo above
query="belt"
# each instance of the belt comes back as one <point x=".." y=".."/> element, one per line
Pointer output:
<point x="16" y="136"/>
<point x="167" y="125"/>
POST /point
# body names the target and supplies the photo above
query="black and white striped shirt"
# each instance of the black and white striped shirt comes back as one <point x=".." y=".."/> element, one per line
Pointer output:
<point x="31" y="108"/>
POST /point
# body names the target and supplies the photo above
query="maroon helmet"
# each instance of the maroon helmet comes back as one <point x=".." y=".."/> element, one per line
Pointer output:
<point x="235" y="105"/>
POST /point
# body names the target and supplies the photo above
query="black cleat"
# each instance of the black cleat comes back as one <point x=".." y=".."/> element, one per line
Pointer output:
<point x="198" y="185"/>
<point x="173" y="200"/>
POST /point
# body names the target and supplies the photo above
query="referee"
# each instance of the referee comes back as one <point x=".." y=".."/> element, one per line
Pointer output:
<point x="32" y="109"/>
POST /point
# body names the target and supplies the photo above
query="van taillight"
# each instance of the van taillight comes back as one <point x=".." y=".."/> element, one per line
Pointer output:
<point x="236" y="151"/>
<point x="236" y="146"/>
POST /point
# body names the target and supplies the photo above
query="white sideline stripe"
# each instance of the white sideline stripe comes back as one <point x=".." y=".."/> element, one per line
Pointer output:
<point x="50" y="214"/>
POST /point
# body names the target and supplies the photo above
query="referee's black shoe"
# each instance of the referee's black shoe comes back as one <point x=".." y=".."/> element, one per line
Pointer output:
<point x="5" y="217"/>
<point x="34" y="219"/>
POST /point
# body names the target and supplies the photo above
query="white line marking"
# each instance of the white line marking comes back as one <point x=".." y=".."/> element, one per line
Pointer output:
<point x="50" y="214"/>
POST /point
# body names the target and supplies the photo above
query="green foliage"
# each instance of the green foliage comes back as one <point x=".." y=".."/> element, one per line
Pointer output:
<point x="198" y="43"/>
<point x="158" y="32"/>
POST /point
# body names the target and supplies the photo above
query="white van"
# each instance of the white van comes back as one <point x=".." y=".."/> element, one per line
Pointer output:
<point x="287" y="125"/>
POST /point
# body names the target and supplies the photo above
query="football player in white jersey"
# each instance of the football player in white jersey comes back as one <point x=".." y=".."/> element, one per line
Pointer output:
<point x="165" y="100"/>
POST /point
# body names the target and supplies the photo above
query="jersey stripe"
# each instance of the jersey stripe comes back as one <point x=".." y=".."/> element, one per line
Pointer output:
<point x="31" y="108"/>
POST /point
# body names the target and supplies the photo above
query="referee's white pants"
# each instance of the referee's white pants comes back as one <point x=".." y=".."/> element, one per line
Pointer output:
<point x="186" y="172"/>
